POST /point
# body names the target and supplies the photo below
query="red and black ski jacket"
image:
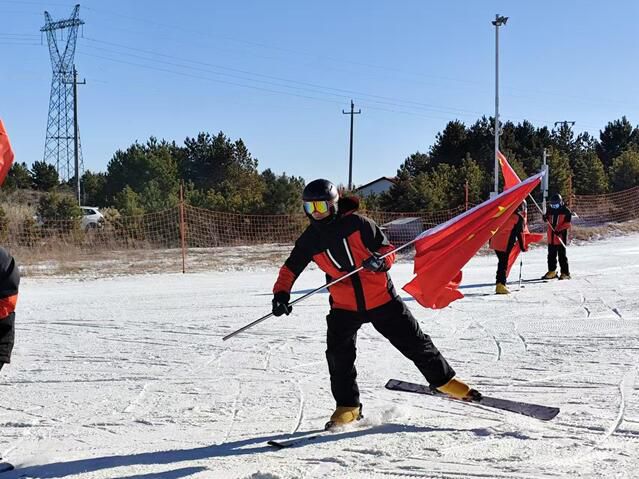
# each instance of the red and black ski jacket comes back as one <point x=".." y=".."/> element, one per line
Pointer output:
<point x="9" y="282"/>
<point x="340" y="247"/>
<point x="560" y="221"/>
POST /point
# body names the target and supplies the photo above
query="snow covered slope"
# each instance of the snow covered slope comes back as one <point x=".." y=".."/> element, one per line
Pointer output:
<point x="128" y="377"/>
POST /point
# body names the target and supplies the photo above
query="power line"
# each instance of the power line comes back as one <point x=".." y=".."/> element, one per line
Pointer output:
<point x="264" y="89"/>
<point x="242" y="74"/>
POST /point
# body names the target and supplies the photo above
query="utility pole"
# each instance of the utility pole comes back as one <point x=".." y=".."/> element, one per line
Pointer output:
<point x="76" y="133"/>
<point x="498" y="22"/>
<point x="350" y="155"/>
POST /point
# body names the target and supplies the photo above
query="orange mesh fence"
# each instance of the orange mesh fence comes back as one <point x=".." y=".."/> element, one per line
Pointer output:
<point x="206" y="229"/>
<point x="593" y="210"/>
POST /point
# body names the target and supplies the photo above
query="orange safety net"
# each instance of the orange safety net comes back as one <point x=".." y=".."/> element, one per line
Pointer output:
<point x="203" y="228"/>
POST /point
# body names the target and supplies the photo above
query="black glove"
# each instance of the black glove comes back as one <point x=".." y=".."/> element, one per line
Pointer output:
<point x="280" y="304"/>
<point x="375" y="264"/>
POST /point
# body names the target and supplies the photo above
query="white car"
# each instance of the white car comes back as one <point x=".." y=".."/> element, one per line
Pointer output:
<point x="91" y="218"/>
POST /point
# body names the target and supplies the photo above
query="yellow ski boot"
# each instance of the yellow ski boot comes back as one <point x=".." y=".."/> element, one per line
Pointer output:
<point x="550" y="275"/>
<point x="458" y="389"/>
<point x="344" y="415"/>
<point x="501" y="289"/>
<point x="564" y="276"/>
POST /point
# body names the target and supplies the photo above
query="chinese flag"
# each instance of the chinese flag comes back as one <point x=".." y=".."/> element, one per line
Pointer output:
<point x="510" y="177"/>
<point x="441" y="252"/>
<point x="6" y="153"/>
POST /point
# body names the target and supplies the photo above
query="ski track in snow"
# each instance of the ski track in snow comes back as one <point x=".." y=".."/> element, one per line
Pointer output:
<point x="626" y="384"/>
<point x="493" y="337"/>
<point x="136" y="382"/>
<point x="235" y="409"/>
<point x="521" y="338"/>
<point x="300" y="413"/>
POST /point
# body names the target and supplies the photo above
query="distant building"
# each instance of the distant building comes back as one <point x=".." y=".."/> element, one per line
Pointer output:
<point x="380" y="185"/>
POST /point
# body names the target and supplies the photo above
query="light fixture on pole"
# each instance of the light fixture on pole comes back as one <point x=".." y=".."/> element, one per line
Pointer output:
<point x="498" y="22"/>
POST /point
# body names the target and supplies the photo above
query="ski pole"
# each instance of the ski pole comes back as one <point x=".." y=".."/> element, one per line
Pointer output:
<point x="316" y="290"/>
<point x="521" y="263"/>
<point x="301" y="298"/>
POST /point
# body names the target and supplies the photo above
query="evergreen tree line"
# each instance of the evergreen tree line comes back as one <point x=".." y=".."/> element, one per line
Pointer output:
<point x="220" y="174"/>
<point x="579" y="164"/>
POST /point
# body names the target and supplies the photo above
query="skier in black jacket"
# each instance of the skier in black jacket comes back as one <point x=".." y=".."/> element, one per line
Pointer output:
<point x="9" y="282"/>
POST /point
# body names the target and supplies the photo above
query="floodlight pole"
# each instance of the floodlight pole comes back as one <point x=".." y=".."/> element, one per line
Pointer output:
<point x="544" y="183"/>
<point x="498" y="22"/>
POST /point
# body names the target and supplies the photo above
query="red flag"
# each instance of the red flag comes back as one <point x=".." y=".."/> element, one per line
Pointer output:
<point x="441" y="252"/>
<point x="510" y="177"/>
<point x="6" y="153"/>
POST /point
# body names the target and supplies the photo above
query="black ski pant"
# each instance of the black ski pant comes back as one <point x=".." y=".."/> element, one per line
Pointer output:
<point x="502" y="266"/>
<point x="7" y="337"/>
<point x="555" y="250"/>
<point x="396" y="323"/>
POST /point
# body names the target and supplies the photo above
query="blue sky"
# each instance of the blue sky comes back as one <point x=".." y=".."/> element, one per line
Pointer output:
<point x="279" y="73"/>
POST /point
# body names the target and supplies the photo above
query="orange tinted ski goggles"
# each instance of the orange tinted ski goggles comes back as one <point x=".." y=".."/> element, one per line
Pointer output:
<point x="320" y="207"/>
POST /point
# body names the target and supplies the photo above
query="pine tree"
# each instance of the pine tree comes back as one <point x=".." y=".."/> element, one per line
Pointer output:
<point x="589" y="175"/>
<point x="624" y="172"/>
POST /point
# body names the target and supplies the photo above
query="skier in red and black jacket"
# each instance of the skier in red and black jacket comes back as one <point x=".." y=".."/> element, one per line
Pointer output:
<point x="558" y="219"/>
<point x="9" y="283"/>
<point x="339" y="240"/>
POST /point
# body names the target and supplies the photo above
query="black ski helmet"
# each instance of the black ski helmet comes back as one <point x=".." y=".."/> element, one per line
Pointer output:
<point x="322" y="190"/>
<point x="556" y="199"/>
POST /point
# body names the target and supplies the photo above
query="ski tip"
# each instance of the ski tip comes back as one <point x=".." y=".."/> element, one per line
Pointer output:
<point x="390" y="383"/>
<point x="552" y="414"/>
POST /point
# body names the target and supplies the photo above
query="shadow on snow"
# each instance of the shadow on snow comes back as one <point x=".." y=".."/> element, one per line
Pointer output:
<point x="236" y="448"/>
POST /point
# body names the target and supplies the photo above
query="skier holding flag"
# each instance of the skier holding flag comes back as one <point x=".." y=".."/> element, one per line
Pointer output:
<point x="340" y="240"/>
<point x="503" y="242"/>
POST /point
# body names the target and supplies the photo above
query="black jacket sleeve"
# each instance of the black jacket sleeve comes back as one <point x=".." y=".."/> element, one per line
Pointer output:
<point x="517" y="235"/>
<point x="300" y="255"/>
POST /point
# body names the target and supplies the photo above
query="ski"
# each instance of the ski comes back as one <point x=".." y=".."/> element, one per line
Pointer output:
<point x="5" y="467"/>
<point x="329" y="427"/>
<point x="296" y="441"/>
<point x="537" y="411"/>
<point x="535" y="280"/>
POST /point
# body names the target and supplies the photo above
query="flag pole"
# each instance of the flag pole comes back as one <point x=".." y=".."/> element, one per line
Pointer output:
<point x="331" y="283"/>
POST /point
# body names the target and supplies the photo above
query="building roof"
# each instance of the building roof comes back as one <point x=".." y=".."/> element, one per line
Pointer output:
<point x="387" y="178"/>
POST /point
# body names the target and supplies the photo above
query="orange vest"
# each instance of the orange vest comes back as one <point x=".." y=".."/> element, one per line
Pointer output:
<point x="561" y="228"/>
